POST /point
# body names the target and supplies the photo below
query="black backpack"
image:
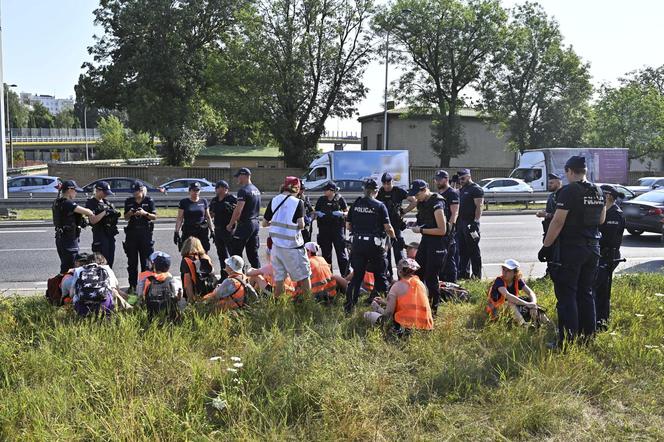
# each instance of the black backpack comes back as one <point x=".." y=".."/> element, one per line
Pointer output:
<point x="250" y="294"/>
<point x="161" y="295"/>
<point x="92" y="285"/>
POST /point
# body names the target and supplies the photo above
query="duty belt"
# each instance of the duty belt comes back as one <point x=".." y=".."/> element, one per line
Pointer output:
<point x="365" y="238"/>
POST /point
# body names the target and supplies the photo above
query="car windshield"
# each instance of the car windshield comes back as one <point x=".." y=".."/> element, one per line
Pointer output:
<point x="646" y="181"/>
<point x="484" y="182"/>
<point x="651" y="197"/>
<point x="527" y="175"/>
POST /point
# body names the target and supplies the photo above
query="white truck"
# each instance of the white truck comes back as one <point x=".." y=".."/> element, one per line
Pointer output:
<point x="357" y="165"/>
<point x="605" y="165"/>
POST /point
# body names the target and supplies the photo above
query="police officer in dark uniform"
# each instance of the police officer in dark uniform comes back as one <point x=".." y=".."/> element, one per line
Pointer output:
<point x="330" y="212"/>
<point x="451" y="197"/>
<point x="554" y="185"/>
<point x="609" y="248"/>
<point x="471" y="200"/>
<point x="244" y="222"/>
<point x="105" y="228"/>
<point x="580" y="210"/>
<point x="309" y="215"/>
<point x="221" y="211"/>
<point x="369" y="224"/>
<point x="393" y="198"/>
<point x="140" y="213"/>
<point x="68" y="221"/>
<point x="432" y="224"/>
<point x="194" y="218"/>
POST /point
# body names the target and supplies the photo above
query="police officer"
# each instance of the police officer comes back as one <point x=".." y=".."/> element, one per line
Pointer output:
<point x="330" y="211"/>
<point x="554" y="184"/>
<point x="471" y="200"/>
<point x="432" y="224"/>
<point x="451" y="197"/>
<point x="194" y="218"/>
<point x="309" y="215"/>
<point x="104" y="229"/>
<point x="393" y="198"/>
<point x="68" y="221"/>
<point x="244" y="222"/>
<point x="369" y="223"/>
<point x="609" y="248"/>
<point x="221" y="211"/>
<point x="580" y="210"/>
<point x="140" y="213"/>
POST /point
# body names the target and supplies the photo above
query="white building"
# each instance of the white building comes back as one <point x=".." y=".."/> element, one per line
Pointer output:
<point x="54" y="105"/>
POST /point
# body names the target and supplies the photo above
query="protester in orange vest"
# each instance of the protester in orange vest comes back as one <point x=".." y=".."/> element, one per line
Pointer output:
<point x="262" y="279"/>
<point x="506" y="289"/>
<point x="368" y="282"/>
<point x="323" y="285"/>
<point x="195" y="269"/>
<point x="231" y="294"/>
<point x="407" y="303"/>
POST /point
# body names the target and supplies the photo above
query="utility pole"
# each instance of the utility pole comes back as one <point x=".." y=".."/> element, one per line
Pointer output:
<point x="85" y="133"/>
<point x="3" y="150"/>
<point x="9" y="126"/>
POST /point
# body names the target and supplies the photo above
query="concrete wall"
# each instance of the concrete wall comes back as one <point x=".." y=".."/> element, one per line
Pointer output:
<point x="647" y="164"/>
<point x="485" y="148"/>
<point x="237" y="162"/>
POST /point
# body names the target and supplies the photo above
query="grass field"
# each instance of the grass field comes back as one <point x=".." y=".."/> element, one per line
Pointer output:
<point x="306" y="372"/>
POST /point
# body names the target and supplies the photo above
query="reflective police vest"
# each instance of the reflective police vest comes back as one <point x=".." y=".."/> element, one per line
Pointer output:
<point x="593" y="202"/>
<point x="494" y="305"/>
<point x="413" y="309"/>
<point x="283" y="231"/>
<point x="322" y="283"/>
<point x="425" y="211"/>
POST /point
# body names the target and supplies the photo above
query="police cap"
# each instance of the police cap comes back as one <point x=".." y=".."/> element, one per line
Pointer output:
<point x="136" y="186"/>
<point x="331" y="185"/>
<point x="104" y="187"/>
<point x="441" y="174"/>
<point x="70" y="184"/>
<point x="242" y="171"/>
<point x="221" y="183"/>
<point x="553" y="176"/>
<point x="463" y="172"/>
<point x="416" y="187"/>
<point x="370" y="184"/>
<point x="611" y="190"/>
<point x="386" y="178"/>
<point x="195" y="185"/>
<point x="576" y="162"/>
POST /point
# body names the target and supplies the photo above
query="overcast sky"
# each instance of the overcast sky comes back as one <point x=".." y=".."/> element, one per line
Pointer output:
<point x="45" y="41"/>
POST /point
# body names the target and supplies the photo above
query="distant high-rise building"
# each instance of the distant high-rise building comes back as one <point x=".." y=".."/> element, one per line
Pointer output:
<point x="54" y="105"/>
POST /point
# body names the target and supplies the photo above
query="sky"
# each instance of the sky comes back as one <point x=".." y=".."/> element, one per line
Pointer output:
<point x="45" y="42"/>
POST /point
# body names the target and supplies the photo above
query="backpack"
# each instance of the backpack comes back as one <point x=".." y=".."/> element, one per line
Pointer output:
<point x="160" y="295"/>
<point x="453" y="292"/>
<point x="54" y="291"/>
<point x="92" y="285"/>
<point x="250" y="294"/>
<point x="204" y="282"/>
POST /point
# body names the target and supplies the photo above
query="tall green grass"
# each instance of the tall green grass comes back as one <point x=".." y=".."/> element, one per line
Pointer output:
<point x="311" y="373"/>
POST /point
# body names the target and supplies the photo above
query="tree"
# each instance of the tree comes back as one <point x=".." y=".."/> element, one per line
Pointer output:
<point x="539" y="94"/>
<point x="40" y="116"/>
<point x="66" y="119"/>
<point x="18" y="112"/>
<point x="118" y="142"/>
<point x="308" y="57"/>
<point x="630" y="116"/>
<point x="649" y="76"/>
<point x="447" y="44"/>
<point x="151" y="60"/>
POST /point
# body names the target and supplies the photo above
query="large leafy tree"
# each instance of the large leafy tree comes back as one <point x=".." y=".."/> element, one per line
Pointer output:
<point x="150" y="62"/>
<point x="40" y="116"/>
<point x="539" y="94"/>
<point x="308" y="57"/>
<point x="446" y="44"/>
<point x="18" y="112"/>
<point x="66" y="119"/>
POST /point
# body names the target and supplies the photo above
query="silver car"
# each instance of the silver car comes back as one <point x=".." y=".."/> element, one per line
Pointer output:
<point x="33" y="184"/>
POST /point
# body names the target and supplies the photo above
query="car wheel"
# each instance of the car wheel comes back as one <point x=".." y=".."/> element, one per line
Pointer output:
<point x="635" y="232"/>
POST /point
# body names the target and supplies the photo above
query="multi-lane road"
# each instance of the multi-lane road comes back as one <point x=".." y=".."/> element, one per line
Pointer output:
<point x="28" y="256"/>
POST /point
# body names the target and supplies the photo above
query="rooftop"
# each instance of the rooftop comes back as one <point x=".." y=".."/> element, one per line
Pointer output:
<point x="463" y="112"/>
<point x="240" y="151"/>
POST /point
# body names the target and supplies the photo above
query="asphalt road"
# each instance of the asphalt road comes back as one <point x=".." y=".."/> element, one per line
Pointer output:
<point x="28" y="256"/>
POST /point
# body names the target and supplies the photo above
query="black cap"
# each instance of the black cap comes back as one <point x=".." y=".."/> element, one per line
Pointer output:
<point x="553" y="176"/>
<point x="386" y="178"/>
<point x="221" y="183"/>
<point x="608" y="188"/>
<point x="331" y="185"/>
<point x="576" y="162"/>
<point x="455" y="178"/>
<point x="441" y="174"/>
<point x="70" y="184"/>
<point x="463" y="172"/>
<point x="416" y="187"/>
<point x="104" y="187"/>
<point x="242" y="171"/>
<point x="194" y="185"/>
<point x="370" y="184"/>
<point x="136" y="186"/>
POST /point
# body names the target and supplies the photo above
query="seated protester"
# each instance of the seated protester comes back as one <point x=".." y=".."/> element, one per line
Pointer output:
<point x="263" y="279"/>
<point x="506" y="288"/>
<point x="66" y="282"/>
<point x="92" y="289"/>
<point x="407" y="303"/>
<point x="234" y="292"/>
<point x="323" y="285"/>
<point x="119" y="296"/>
<point x="368" y="283"/>
<point x="196" y="270"/>
<point x="161" y="292"/>
<point x="411" y="249"/>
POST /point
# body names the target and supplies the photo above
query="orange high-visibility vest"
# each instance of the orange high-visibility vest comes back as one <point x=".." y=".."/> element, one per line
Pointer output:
<point x="413" y="309"/>
<point x="159" y="277"/>
<point x="322" y="283"/>
<point x="369" y="282"/>
<point x="235" y="300"/>
<point x="289" y="285"/>
<point x="493" y="305"/>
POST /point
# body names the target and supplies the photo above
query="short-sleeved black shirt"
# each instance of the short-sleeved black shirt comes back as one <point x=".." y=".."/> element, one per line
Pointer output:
<point x="368" y="216"/>
<point x="194" y="212"/>
<point x="393" y="201"/>
<point x="139" y="221"/>
<point x="451" y="197"/>
<point x="327" y="206"/>
<point x="98" y="206"/>
<point x="252" y="202"/>
<point x="299" y="211"/>
<point x="495" y="295"/>
<point x="570" y="197"/>
<point x="222" y="211"/>
<point x="467" y="206"/>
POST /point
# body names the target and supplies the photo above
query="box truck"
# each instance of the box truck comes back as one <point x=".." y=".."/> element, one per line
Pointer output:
<point x="605" y="165"/>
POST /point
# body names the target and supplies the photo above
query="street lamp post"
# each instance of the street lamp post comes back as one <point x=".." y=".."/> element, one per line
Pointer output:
<point x="85" y="133"/>
<point x="387" y="63"/>
<point x="9" y="127"/>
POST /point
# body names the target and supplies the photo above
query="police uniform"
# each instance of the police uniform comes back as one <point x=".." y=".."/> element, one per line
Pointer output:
<point x="68" y="226"/>
<point x="579" y="250"/>
<point x="308" y="217"/>
<point x="432" y="250"/>
<point x="331" y="228"/>
<point x="195" y="221"/>
<point x="467" y="227"/>
<point x="245" y="237"/>
<point x="449" y="270"/>
<point x="367" y="218"/>
<point x="138" y="244"/>
<point x="609" y="246"/>
<point x="222" y="211"/>
<point x="550" y="205"/>
<point x="104" y="232"/>
<point x="393" y="201"/>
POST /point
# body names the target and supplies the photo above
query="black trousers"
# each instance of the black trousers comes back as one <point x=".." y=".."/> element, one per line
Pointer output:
<point x="366" y="253"/>
<point x="67" y="247"/>
<point x="203" y="234"/>
<point x="138" y="246"/>
<point x="328" y="238"/>
<point x="430" y="256"/>
<point x="245" y="238"/>
<point x="104" y="243"/>
<point x="398" y="251"/>
<point x="222" y="242"/>
<point x="469" y="252"/>
<point x="602" y="291"/>
<point x="449" y="270"/>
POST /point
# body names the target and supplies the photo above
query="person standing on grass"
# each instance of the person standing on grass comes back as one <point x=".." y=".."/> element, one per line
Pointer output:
<point x="221" y="211"/>
<point x="330" y="211"/>
<point x="449" y="271"/>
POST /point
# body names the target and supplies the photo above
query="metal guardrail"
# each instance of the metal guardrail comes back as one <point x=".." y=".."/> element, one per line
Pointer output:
<point x="514" y="197"/>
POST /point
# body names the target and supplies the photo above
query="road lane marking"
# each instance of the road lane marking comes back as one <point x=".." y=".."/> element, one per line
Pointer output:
<point x="484" y="223"/>
<point x="23" y="231"/>
<point x="28" y="250"/>
<point x="636" y="258"/>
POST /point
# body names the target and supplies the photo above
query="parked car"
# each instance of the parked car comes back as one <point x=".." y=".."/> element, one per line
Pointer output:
<point x="629" y="195"/>
<point x="33" y="184"/>
<point x="504" y="185"/>
<point x="646" y="184"/>
<point x="344" y="186"/>
<point x="119" y="185"/>
<point x="182" y="185"/>
<point x="645" y="213"/>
